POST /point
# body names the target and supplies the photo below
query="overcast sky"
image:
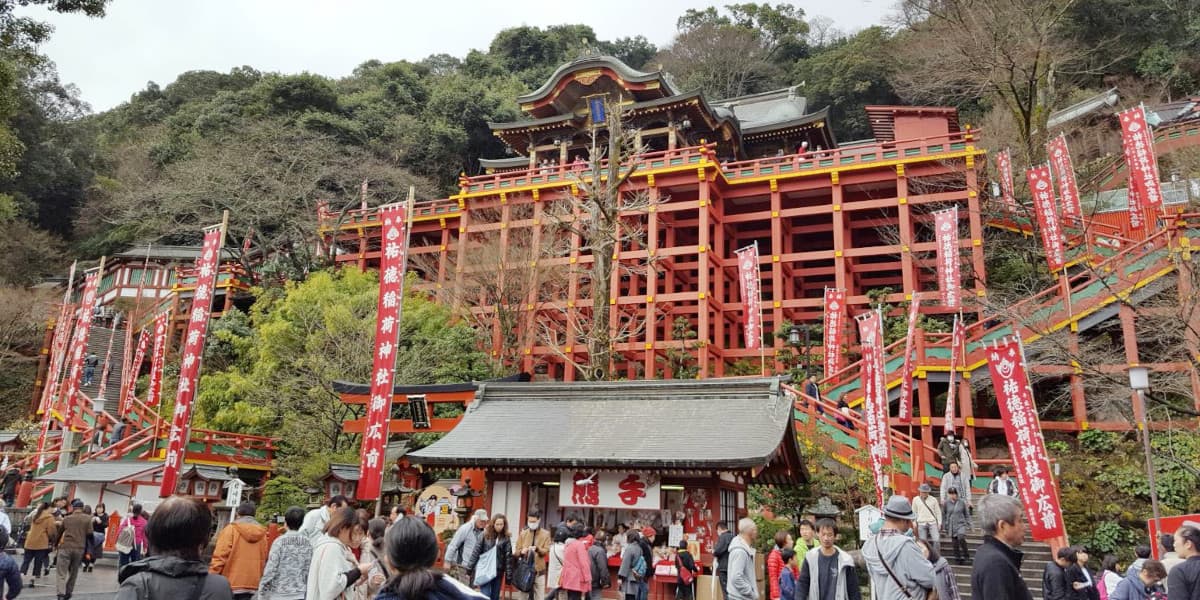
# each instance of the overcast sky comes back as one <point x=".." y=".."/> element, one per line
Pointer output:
<point x="110" y="59"/>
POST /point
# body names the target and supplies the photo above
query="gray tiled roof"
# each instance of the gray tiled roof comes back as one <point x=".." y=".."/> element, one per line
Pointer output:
<point x="9" y="436"/>
<point x="102" y="471"/>
<point x="717" y="423"/>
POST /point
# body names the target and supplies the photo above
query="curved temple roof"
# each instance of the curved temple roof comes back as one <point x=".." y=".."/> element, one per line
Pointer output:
<point x="624" y="71"/>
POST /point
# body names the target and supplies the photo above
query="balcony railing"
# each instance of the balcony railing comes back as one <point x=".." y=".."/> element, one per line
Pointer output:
<point x="836" y="158"/>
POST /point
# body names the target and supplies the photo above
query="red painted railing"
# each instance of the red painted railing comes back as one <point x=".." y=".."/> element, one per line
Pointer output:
<point x="850" y="156"/>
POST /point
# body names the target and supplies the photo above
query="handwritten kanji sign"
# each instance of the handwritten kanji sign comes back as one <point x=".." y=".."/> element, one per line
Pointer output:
<point x="83" y="329"/>
<point x="1145" y="191"/>
<point x="387" y="335"/>
<point x="1042" y="190"/>
<point x="835" y="315"/>
<point x="1004" y="165"/>
<point x="610" y="489"/>
<point x="750" y="286"/>
<point x="192" y="352"/>
<point x="1064" y="174"/>
<point x="875" y="411"/>
<point x="904" y="414"/>
<point x="945" y="225"/>
<point x="1027" y="448"/>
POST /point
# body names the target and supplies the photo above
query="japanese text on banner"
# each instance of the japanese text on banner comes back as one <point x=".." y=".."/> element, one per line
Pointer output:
<point x="1004" y="164"/>
<point x="835" y="313"/>
<point x="1138" y="144"/>
<point x="1047" y="216"/>
<point x="945" y="225"/>
<point x="131" y="377"/>
<point x="193" y="352"/>
<point x="83" y="329"/>
<point x="387" y="335"/>
<point x="748" y="278"/>
<point x="158" y="358"/>
<point x="1006" y="363"/>
<point x="1064" y="174"/>
<point x="906" y="383"/>
<point x="956" y="347"/>
<point x="870" y="330"/>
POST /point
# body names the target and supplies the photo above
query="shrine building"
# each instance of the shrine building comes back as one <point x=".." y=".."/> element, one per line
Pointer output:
<point x="719" y="175"/>
<point x="640" y="453"/>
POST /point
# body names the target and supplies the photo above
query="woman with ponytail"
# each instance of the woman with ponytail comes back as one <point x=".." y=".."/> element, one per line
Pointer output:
<point x="411" y="548"/>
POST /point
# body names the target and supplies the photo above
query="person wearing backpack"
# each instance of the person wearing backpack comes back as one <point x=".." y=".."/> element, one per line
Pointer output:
<point x="685" y="565"/>
<point x="494" y="537"/>
<point x="131" y="541"/>
<point x="599" y="559"/>
<point x="633" y="568"/>
<point x="1109" y="577"/>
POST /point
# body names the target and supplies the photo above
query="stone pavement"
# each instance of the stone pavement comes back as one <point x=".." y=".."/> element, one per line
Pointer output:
<point x="99" y="584"/>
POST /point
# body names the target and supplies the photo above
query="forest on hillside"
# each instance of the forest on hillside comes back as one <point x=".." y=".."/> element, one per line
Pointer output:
<point x="75" y="184"/>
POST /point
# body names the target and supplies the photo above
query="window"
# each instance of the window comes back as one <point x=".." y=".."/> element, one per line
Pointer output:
<point x="729" y="508"/>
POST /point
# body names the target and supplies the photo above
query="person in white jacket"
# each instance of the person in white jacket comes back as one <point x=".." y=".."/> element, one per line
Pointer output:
<point x="742" y="582"/>
<point x="317" y="518"/>
<point x="334" y="571"/>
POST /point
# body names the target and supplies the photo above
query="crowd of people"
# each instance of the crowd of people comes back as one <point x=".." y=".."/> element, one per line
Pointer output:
<point x="338" y="552"/>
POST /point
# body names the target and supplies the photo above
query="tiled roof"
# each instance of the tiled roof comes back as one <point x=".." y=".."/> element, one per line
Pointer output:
<point x="716" y="423"/>
<point x="102" y="471"/>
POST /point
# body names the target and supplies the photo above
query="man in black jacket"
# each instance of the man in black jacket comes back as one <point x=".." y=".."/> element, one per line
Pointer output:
<point x="997" y="566"/>
<point x="1055" y="583"/>
<point x="721" y="553"/>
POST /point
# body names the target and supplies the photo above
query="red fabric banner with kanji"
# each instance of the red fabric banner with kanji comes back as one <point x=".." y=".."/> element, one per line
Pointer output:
<point x="875" y="412"/>
<point x="748" y="280"/>
<point x="1004" y="165"/>
<point x="1039" y="494"/>
<point x="835" y="314"/>
<point x="192" y="351"/>
<point x="1064" y="174"/>
<point x="83" y="330"/>
<point x="1138" y="143"/>
<point x="904" y="414"/>
<point x="387" y="334"/>
<point x="131" y="372"/>
<point x="58" y="354"/>
<point x="945" y="225"/>
<point x="956" y="347"/>
<point x="1047" y="215"/>
<point x="158" y="357"/>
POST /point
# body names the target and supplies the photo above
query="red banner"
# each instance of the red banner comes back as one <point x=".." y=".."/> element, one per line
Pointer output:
<point x="751" y="286"/>
<point x="1004" y="165"/>
<point x="131" y="373"/>
<point x="158" y="357"/>
<point x="58" y="347"/>
<point x="835" y="314"/>
<point x="193" y="353"/>
<point x="875" y="411"/>
<point x="1064" y="174"/>
<point x="945" y="224"/>
<point x="906" y="384"/>
<point x="957" y="342"/>
<point x="1047" y="215"/>
<point x="83" y="330"/>
<point x="387" y="335"/>
<point x="1006" y="362"/>
<point x="1138" y="143"/>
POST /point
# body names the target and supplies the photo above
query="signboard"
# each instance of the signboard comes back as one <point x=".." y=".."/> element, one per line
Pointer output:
<point x="870" y="327"/>
<point x="610" y="489"/>
<point x="418" y="408"/>
<point x="906" y="384"/>
<point x="945" y="224"/>
<point x="1169" y="525"/>
<point x="1006" y="362"/>
<point x="436" y="506"/>
<point x="835" y="312"/>
<point x="1042" y="190"/>
<point x="750" y="286"/>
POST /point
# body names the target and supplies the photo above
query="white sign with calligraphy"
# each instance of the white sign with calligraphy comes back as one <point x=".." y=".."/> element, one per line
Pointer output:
<point x="610" y="489"/>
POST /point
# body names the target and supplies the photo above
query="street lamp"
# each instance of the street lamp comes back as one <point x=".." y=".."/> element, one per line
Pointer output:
<point x="794" y="341"/>
<point x="1139" y="382"/>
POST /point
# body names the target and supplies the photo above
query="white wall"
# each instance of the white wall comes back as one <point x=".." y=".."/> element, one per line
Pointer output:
<point x="506" y="499"/>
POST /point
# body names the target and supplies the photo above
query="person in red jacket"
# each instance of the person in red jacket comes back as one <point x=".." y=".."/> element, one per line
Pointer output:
<point x="783" y="541"/>
<point x="577" y="566"/>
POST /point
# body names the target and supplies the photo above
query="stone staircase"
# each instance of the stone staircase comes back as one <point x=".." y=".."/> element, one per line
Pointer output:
<point x="1037" y="554"/>
<point x="98" y="340"/>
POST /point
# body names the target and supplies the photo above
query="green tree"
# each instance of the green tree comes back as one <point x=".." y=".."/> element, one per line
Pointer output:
<point x="848" y="75"/>
<point x="310" y="334"/>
